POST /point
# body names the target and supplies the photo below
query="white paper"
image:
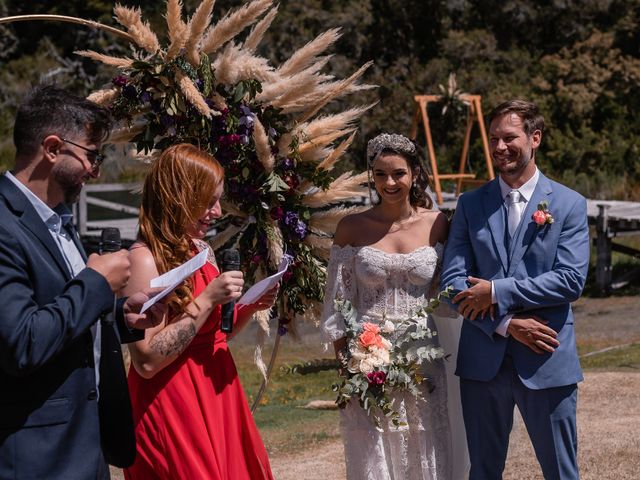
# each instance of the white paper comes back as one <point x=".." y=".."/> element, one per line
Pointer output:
<point x="175" y="277"/>
<point x="263" y="286"/>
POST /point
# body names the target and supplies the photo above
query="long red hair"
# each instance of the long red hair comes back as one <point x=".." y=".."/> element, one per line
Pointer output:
<point x="176" y="193"/>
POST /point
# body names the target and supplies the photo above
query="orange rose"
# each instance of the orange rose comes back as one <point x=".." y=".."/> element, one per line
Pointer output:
<point x="368" y="339"/>
<point x="370" y="327"/>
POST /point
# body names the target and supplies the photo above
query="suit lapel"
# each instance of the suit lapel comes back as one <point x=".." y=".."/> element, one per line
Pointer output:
<point x="528" y="229"/>
<point x="30" y="219"/>
<point x="494" y="212"/>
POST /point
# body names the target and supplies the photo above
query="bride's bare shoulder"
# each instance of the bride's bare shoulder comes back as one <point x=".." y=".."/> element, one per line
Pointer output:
<point x="437" y="224"/>
<point x="348" y="228"/>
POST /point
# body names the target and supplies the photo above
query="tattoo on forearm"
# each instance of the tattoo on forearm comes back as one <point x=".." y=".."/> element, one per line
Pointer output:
<point x="173" y="341"/>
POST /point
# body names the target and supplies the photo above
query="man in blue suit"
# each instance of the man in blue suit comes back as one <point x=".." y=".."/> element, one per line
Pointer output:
<point x="64" y="407"/>
<point x="517" y="254"/>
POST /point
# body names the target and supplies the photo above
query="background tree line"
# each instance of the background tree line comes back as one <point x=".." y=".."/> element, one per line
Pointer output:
<point x="578" y="59"/>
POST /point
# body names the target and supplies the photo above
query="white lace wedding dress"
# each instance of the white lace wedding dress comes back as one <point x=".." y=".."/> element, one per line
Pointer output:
<point x="432" y="444"/>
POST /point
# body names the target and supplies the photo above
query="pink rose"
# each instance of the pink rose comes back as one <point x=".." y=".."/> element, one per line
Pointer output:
<point x="549" y="217"/>
<point x="539" y="217"/>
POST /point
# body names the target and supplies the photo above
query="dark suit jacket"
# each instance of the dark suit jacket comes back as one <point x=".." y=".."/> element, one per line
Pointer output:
<point x="51" y="423"/>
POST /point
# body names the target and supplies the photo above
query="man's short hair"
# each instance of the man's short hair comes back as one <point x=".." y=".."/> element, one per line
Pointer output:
<point x="527" y="111"/>
<point x="49" y="110"/>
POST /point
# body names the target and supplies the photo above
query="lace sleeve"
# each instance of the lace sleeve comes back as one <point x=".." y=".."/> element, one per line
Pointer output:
<point x="340" y="283"/>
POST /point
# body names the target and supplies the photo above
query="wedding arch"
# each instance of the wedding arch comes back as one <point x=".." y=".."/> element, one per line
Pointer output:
<point x="205" y="84"/>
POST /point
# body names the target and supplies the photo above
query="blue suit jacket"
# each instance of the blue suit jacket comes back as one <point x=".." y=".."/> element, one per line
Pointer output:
<point x="51" y="423"/>
<point x="541" y="273"/>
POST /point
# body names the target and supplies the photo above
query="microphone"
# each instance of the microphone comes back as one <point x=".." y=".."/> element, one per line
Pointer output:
<point x="230" y="260"/>
<point x="110" y="242"/>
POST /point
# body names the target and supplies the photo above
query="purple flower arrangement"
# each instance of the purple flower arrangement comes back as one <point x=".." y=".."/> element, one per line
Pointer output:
<point x="150" y="89"/>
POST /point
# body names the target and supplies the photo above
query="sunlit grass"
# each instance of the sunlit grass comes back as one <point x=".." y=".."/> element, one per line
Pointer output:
<point x="619" y="359"/>
<point x="284" y="425"/>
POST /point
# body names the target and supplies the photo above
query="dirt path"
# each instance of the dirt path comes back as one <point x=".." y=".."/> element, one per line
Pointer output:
<point x="608" y="430"/>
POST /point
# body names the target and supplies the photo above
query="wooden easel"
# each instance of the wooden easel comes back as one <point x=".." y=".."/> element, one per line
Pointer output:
<point x="474" y="115"/>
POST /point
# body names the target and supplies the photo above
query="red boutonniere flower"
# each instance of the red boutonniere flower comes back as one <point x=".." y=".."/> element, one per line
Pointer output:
<point x="542" y="216"/>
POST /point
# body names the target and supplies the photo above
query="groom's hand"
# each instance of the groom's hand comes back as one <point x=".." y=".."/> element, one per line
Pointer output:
<point x="475" y="300"/>
<point x="533" y="332"/>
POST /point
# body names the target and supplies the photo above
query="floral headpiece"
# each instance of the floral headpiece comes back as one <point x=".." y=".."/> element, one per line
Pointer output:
<point x="389" y="141"/>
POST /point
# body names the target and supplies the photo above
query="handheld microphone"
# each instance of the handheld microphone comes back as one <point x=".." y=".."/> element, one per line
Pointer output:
<point x="110" y="242"/>
<point x="230" y="260"/>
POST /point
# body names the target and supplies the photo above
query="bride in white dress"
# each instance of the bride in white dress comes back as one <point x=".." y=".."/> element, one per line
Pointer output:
<point x="385" y="261"/>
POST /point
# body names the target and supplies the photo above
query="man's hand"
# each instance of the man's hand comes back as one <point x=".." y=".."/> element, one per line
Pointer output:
<point x="533" y="332"/>
<point x="475" y="300"/>
<point x="114" y="267"/>
<point x="148" y="319"/>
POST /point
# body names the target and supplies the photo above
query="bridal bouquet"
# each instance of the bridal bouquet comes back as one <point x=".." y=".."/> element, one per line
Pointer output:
<point x="384" y="358"/>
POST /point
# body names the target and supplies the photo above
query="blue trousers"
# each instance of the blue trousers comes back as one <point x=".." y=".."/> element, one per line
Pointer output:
<point x="549" y="415"/>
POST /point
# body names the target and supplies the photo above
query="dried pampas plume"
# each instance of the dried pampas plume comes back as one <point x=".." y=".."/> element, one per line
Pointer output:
<point x="263" y="149"/>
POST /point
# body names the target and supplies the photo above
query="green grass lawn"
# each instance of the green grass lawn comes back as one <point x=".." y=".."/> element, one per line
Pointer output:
<point x="283" y="423"/>
<point x="619" y="359"/>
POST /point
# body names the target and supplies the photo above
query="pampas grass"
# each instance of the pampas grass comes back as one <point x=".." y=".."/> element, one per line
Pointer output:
<point x="192" y="94"/>
<point x="235" y="64"/>
<point x="131" y="19"/>
<point x="327" y="221"/>
<point x="275" y="244"/>
<point x="263" y="149"/>
<point x="177" y="29"/>
<point x="345" y="187"/>
<point x="231" y="25"/>
<point x="106" y="59"/>
<point x="105" y="96"/>
<point x="197" y="26"/>
<point x="340" y="87"/>
<point x="257" y="32"/>
<point x="329" y="162"/>
<point x="303" y="57"/>
<point x="320" y="245"/>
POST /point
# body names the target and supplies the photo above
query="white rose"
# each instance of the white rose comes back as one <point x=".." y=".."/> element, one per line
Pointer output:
<point x="352" y="365"/>
<point x="359" y="352"/>
<point x="383" y="356"/>
<point x="386" y="344"/>
<point x="366" y="365"/>
<point x="387" y="327"/>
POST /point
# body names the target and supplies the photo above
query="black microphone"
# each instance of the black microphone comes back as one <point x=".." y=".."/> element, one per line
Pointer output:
<point x="230" y="260"/>
<point x="110" y="242"/>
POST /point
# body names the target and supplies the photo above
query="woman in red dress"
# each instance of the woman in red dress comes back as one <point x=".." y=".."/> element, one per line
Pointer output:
<point x="191" y="417"/>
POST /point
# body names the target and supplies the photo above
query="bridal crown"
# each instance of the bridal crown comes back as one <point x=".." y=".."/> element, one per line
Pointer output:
<point x="389" y="141"/>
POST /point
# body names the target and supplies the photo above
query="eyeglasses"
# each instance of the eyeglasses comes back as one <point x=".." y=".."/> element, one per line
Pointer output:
<point x="97" y="159"/>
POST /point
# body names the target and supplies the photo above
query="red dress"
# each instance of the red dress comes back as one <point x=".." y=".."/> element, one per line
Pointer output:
<point x="192" y="420"/>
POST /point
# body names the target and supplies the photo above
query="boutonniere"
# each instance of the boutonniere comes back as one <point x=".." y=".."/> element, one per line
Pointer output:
<point x="542" y="215"/>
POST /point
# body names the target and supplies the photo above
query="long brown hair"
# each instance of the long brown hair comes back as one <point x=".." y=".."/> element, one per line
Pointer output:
<point x="176" y="193"/>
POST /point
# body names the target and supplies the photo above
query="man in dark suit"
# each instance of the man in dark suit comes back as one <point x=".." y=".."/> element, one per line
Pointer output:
<point x="64" y="406"/>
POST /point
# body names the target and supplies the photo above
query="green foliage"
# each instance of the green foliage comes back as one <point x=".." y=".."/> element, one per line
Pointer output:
<point x="579" y="60"/>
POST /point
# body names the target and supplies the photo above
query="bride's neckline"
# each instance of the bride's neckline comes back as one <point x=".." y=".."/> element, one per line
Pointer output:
<point x="376" y="249"/>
